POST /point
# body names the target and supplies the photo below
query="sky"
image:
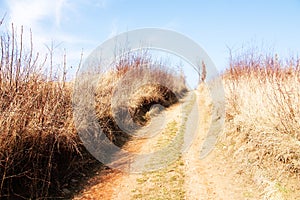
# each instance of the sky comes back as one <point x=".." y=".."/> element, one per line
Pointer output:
<point x="217" y="26"/>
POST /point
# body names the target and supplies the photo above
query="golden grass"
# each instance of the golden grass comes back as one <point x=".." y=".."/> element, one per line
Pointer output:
<point x="126" y="94"/>
<point x="40" y="151"/>
<point x="262" y="128"/>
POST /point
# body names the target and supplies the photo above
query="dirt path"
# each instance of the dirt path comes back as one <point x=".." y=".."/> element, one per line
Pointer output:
<point x="211" y="177"/>
<point x="116" y="184"/>
<point x="187" y="177"/>
<point x="129" y="183"/>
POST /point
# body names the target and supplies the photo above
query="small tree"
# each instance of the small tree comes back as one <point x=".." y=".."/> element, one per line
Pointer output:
<point x="203" y="75"/>
<point x="201" y="70"/>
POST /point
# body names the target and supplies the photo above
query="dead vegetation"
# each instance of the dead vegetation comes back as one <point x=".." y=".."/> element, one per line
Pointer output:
<point x="263" y="119"/>
<point x="39" y="148"/>
<point x="40" y="151"/>
<point x="125" y="95"/>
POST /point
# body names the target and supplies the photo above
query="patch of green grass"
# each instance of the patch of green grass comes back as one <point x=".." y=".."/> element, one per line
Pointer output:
<point x="141" y="180"/>
<point x="281" y="188"/>
<point x="248" y="194"/>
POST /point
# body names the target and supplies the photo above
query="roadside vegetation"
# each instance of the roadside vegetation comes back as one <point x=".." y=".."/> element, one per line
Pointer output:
<point x="263" y="121"/>
<point x="41" y="155"/>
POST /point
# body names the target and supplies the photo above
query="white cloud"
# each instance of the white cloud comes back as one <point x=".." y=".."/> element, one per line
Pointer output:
<point x="97" y="3"/>
<point x="29" y="12"/>
<point x="58" y="10"/>
<point x="43" y="17"/>
<point x="46" y="19"/>
<point x="114" y="28"/>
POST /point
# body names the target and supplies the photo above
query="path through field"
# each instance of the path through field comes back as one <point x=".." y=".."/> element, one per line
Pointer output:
<point x="187" y="176"/>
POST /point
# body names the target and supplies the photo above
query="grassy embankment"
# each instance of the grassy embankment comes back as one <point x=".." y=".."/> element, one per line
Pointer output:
<point x="41" y="154"/>
<point x="263" y="122"/>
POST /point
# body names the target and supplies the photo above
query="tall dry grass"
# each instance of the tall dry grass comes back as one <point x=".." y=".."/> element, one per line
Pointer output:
<point x="262" y="129"/>
<point x="39" y="148"/>
<point x="40" y="151"/>
<point x="125" y="95"/>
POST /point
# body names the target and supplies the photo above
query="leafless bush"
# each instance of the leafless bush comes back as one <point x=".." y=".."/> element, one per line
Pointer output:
<point x="39" y="145"/>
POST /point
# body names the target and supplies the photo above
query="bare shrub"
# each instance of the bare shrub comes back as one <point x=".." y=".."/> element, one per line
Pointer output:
<point x="40" y="149"/>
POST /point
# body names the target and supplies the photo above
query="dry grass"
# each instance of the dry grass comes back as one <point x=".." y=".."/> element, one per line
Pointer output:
<point x="124" y="96"/>
<point x="39" y="147"/>
<point x="263" y="117"/>
<point x="40" y="151"/>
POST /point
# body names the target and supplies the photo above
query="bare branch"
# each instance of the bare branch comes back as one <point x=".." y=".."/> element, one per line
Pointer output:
<point x="1" y="21"/>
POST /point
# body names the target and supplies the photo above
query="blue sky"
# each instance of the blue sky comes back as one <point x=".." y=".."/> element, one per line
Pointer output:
<point x="214" y="25"/>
